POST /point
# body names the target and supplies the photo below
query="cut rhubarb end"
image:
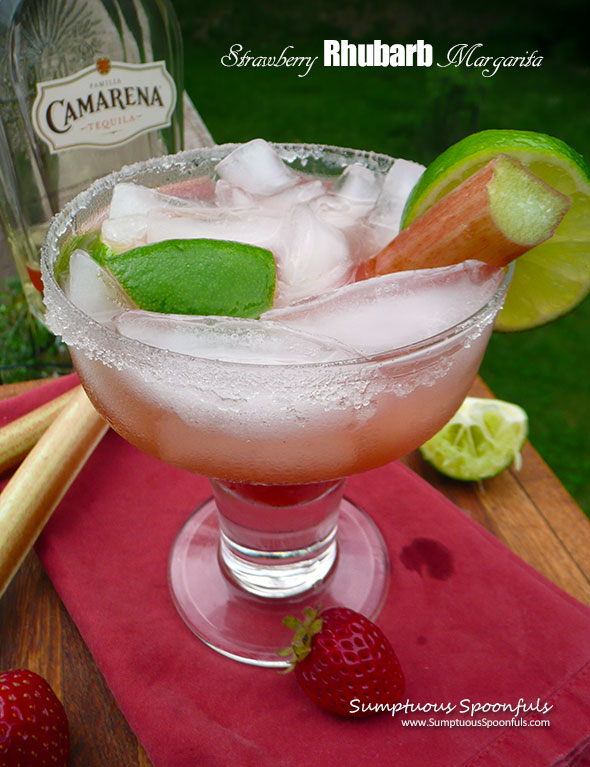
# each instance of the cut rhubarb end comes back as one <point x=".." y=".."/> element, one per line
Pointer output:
<point x="494" y="216"/>
<point x="525" y="208"/>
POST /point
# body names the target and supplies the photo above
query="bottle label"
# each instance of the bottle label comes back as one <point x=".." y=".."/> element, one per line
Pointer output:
<point x="104" y="105"/>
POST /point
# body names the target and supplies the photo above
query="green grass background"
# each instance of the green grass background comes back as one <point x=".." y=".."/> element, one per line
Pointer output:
<point x="416" y="113"/>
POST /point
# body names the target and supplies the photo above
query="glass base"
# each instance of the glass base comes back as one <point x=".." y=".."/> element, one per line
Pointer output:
<point x="248" y="628"/>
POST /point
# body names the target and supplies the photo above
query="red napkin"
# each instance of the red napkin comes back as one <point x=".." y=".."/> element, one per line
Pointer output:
<point x="469" y="621"/>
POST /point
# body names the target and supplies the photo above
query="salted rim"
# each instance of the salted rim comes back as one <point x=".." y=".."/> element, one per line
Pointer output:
<point x="60" y="223"/>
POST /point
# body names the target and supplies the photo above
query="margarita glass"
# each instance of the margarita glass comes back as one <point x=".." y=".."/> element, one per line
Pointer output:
<point x="276" y="440"/>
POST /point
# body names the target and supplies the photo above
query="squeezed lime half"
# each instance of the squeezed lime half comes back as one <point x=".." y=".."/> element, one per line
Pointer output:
<point x="484" y="437"/>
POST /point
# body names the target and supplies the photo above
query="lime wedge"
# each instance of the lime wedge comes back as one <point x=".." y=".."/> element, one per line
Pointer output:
<point x="481" y="440"/>
<point x="205" y="277"/>
<point x="91" y="243"/>
<point x="552" y="278"/>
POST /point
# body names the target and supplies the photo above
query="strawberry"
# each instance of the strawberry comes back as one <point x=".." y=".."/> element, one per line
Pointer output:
<point x="33" y="724"/>
<point x="344" y="662"/>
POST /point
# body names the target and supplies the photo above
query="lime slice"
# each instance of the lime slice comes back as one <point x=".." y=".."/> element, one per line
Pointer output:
<point x="205" y="277"/>
<point x="482" y="439"/>
<point x="552" y="278"/>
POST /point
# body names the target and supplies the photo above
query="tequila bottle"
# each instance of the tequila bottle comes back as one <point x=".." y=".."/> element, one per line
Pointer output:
<point x="86" y="86"/>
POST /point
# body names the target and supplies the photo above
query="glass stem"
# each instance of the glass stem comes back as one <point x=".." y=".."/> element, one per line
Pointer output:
<point x="278" y="541"/>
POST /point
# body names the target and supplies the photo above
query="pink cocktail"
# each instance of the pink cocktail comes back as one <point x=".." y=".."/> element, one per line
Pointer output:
<point x="279" y="436"/>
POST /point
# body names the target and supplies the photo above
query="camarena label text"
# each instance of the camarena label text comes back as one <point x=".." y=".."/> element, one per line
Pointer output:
<point x="103" y="105"/>
<point x="341" y="53"/>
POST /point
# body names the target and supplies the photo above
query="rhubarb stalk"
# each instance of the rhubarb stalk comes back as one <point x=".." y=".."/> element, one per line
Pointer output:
<point x="42" y="479"/>
<point x="494" y="216"/>
<point x="19" y="436"/>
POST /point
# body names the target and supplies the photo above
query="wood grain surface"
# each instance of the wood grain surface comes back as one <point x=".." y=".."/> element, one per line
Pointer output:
<point x="528" y="510"/>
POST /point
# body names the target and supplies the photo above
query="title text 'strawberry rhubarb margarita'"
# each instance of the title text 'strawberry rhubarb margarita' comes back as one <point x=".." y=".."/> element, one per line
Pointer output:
<point x="216" y="323"/>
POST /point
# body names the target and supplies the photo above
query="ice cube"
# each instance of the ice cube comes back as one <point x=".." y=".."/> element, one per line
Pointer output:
<point x="230" y="339"/>
<point x="248" y="227"/>
<point x="350" y="197"/>
<point x="397" y="309"/>
<point x="311" y="255"/>
<point x="134" y="206"/>
<point x="282" y="202"/>
<point x="339" y="212"/>
<point x="384" y="220"/>
<point x="134" y="199"/>
<point x="125" y="232"/>
<point x="358" y="184"/>
<point x="229" y="196"/>
<point x="233" y="197"/>
<point x="93" y="290"/>
<point x="257" y="168"/>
